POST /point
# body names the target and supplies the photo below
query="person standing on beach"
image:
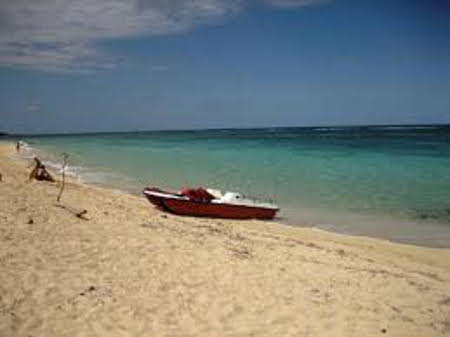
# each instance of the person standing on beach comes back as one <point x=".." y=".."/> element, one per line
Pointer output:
<point x="18" y="146"/>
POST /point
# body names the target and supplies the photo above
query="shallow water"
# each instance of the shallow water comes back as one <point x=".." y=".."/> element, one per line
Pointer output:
<point x="391" y="182"/>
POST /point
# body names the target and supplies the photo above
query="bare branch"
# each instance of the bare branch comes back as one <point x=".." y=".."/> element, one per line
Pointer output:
<point x="63" y="173"/>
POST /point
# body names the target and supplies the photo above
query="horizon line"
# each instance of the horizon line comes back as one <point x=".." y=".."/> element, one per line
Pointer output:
<point x="74" y="133"/>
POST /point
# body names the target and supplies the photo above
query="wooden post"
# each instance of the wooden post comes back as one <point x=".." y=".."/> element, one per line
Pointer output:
<point x="78" y="213"/>
<point x="63" y="173"/>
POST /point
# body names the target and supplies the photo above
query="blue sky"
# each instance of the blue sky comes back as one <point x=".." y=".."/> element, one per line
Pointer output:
<point x="112" y="65"/>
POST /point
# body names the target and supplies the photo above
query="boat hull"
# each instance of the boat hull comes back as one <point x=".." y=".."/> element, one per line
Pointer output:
<point x="156" y="200"/>
<point x="215" y="210"/>
<point x="176" y="204"/>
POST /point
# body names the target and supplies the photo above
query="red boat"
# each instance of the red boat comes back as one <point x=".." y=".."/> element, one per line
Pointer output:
<point x="209" y="203"/>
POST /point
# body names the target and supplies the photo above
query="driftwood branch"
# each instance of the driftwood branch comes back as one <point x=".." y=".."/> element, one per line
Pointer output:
<point x="63" y="174"/>
<point x="81" y="214"/>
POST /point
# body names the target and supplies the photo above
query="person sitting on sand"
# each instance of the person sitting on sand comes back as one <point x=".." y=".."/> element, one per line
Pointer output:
<point x="40" y="172"/>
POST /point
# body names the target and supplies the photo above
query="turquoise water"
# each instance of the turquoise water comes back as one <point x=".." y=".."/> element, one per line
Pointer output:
<point x="391" y="182"/>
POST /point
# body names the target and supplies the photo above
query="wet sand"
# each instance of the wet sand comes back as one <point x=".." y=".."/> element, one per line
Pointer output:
<point x="131" y="270"/>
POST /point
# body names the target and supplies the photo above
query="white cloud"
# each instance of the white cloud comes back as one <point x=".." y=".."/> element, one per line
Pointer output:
<point x="61" y="35"/>
<point x="73" y="56"/>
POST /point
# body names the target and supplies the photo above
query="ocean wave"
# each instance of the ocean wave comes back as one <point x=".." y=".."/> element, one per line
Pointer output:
<point x="326" y="227"/>
<point x="330" y="129"/>
<point x="398" y="128"/>
<point x="28" y="152"/>
<point x="77" y="171"/>
<point x="74" y="171"/>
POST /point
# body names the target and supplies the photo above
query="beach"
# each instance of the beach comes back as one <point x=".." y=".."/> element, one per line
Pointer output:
<point x="132" y="270"/>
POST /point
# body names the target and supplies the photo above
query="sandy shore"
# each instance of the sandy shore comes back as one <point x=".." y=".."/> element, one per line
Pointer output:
<point x="131" y="270"/>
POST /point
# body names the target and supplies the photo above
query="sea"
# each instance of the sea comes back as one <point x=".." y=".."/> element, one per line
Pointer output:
<point x="390" y="182"/>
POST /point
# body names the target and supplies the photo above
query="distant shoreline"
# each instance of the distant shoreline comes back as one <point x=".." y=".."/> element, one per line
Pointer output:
<point x="444" y="126"/>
